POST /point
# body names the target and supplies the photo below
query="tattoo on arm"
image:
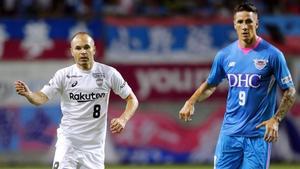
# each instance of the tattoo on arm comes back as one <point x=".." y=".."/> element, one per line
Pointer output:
<point x="287" y="101"/>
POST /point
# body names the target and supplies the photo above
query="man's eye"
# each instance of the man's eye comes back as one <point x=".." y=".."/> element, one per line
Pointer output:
<point x="87" y="47"/>
<point x="78" y="48"/>
<point x="248" y="21"/>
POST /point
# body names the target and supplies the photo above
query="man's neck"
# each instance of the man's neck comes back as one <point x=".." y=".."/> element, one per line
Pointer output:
<point x="250" y="43"/>
<point x="85" y="67"/>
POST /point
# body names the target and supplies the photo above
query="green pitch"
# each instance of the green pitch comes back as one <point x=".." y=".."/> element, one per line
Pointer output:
<point x="273" y="166"/>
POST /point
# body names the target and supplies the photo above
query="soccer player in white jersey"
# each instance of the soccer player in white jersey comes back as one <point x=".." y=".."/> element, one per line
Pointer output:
<point x="253" y="68"/>
<point x="84" y="88"/>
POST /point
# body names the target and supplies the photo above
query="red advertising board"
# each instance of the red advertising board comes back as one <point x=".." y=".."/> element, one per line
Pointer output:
<point x="168" y="82"/>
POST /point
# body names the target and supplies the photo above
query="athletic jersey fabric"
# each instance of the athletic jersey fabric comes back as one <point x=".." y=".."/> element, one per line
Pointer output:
<point x="84" y="103"/>
<point x="252" y="75"/>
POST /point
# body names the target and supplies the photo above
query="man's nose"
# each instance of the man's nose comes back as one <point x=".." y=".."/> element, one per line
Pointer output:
<point x="244" y="26"/>
<point x="83" y="51"/>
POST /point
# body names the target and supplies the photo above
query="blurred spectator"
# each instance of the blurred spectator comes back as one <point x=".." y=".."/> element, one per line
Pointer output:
<point x="118" y="7"/>
<point x="293" y="6"/>
<point x="151" y="8"/>
<point x="8" y="7"/>
<point x="94" y="8"/>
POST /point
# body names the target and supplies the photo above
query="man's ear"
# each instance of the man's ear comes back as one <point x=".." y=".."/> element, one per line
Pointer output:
<point x="71" y="51"/>
<point x="234" y="25"/>
<point x="94" y="49"/>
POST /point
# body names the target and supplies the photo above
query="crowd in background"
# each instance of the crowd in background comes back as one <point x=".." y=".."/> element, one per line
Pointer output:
<point x="95" y="8"/>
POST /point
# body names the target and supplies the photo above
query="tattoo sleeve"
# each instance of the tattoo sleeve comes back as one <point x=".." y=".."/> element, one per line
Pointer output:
<point x="287" y="101"/>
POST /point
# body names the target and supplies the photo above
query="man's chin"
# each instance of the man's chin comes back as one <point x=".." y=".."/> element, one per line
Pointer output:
<point x="247" y="40"/>
<point x="83" y="63"/>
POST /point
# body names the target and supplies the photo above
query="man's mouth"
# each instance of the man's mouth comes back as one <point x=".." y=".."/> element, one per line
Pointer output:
<point x="83" y="60"/>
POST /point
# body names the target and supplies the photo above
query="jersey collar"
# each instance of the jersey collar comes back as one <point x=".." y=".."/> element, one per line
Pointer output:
<point x="247" y="50"/>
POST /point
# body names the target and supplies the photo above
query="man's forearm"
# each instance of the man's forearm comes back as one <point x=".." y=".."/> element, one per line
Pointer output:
<point x="37" y="98"/>
<point x="202" y="93"/>
<point x="287" y="101"/>
<point x="131" y="106"/>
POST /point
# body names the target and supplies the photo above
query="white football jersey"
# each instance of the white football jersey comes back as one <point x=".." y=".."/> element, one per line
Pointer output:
<point x="84" y="103"/>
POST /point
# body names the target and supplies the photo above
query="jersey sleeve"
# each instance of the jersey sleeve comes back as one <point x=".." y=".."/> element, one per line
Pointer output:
<point x="54" y="87"/>
<point x="119" y="85"/>
<point x="217" y="73"/>
<point x="281" y="72"/>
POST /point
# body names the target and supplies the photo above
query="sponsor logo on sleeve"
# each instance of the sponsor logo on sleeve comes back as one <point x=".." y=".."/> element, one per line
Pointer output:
<point x="51" y="83"/>
<point x="123" y="84"/>
<point x="286" y="80"/>
<point x="231" y="64"/>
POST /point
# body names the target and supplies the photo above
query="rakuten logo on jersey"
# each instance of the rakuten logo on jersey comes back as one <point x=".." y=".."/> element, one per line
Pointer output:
<point x="85" y="97"/>
<point x="244" y="80"/>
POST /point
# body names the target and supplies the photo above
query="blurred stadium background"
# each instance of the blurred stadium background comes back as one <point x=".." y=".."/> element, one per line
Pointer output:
<point x="164" y="48"/>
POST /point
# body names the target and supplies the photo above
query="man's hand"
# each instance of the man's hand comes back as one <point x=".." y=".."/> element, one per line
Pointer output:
<point x="271" y="134"/>
<point x="186" y="111"/>
<point x="21" y="88"/>
<point x="117" y="125"/>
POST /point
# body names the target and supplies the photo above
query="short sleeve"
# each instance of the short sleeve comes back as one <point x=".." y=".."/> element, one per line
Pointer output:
<point x="119" y="85"/>
<point x="217" y="73"/>
<point x="54" y="87"/>
<point x="281" y="72"/>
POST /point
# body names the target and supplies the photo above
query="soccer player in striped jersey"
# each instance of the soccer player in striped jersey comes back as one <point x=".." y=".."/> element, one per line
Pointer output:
<point x="253" y="68"/>
<point x="84" y="88"/>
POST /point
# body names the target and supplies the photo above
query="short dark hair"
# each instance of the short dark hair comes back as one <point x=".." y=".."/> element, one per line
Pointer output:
<point x="245" y="6"/>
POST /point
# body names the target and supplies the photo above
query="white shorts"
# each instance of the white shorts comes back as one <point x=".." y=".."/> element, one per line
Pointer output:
<point x="67" y="157"/>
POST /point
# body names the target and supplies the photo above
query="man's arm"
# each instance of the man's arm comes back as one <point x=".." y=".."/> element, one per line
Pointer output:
<point x="272" y="125"/>
<point x="36" y="98"/>
<point x="286" y="103"/>
<point x="202" y="93"/>
<point x="118" y="124"/>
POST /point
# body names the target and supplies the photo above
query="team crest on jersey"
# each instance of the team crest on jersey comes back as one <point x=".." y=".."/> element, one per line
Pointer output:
<point x="260" y="63"/>
<point x="99" y="78"/>
<point x="99" y="81"/>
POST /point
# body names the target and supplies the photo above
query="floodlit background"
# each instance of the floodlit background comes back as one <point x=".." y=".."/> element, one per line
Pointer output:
<point x="163" y="48"/>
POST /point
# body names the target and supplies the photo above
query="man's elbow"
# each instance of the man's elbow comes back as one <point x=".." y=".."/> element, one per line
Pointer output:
<point x="38" y="99"/>
<point x="37" y="103"/>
